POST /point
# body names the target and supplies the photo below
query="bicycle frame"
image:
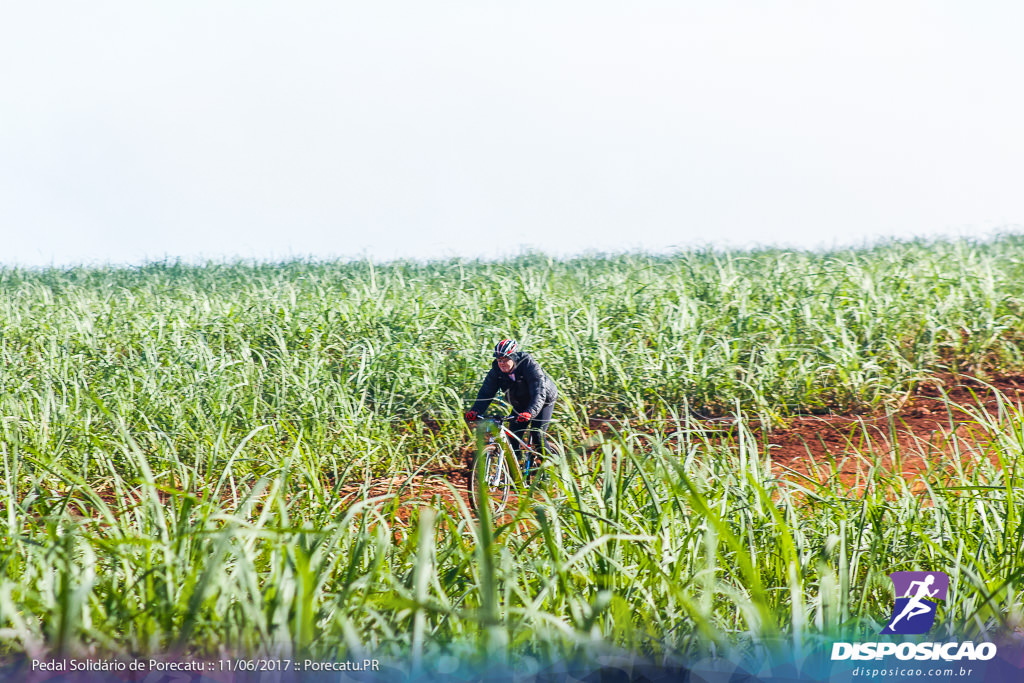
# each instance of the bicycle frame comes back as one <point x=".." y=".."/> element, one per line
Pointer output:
<point x="498" y="433"/>
<point x="497" y="471"/>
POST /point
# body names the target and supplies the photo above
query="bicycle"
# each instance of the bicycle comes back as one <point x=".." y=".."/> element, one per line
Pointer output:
<point x="496" y="467"/>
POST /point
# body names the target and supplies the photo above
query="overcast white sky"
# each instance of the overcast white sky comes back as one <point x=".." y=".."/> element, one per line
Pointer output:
<point x="136" y="131"/>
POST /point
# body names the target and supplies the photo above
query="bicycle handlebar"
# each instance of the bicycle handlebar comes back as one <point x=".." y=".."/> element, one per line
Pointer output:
<point x="497" y="420"/>
<point x="500" y="422"/>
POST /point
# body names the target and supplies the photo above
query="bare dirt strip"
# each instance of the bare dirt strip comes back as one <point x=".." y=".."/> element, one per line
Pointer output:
<point x="935" y="427"/>
<point x="926" y="432"/>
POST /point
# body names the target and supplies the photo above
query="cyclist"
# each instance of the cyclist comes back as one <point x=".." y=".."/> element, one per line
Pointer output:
<point x="527" y="387"/>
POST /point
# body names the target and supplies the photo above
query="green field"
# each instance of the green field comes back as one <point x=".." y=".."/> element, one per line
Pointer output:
<point x="174" y="438"/>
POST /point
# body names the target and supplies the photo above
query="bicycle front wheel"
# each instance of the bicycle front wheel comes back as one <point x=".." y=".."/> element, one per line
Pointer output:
<point x="494" y="482"/>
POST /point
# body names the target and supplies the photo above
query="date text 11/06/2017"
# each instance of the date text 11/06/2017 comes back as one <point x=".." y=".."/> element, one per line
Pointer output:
<point x="297" y="665"/>
<point x="219" y="665"/>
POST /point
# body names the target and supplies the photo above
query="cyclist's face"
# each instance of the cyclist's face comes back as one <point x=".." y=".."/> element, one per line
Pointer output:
<point x="505" y="364"/>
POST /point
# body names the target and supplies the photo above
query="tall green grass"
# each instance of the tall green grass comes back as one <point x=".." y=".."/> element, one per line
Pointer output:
<point x="175" y="440"/>
<point x="337" y="348"/>
<point x="659" y="544"/>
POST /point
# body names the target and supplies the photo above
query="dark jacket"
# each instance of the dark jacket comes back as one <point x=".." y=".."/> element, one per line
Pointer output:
<point x="527" y="387"/>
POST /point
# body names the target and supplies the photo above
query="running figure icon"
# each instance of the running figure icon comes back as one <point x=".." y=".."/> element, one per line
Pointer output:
<point x="915" y="606"/>
<point x="917" y="596"/>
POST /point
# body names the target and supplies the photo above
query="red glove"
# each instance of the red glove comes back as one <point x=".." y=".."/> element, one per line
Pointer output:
<point x="471" y="416"/>
<point x="523" y="417"/>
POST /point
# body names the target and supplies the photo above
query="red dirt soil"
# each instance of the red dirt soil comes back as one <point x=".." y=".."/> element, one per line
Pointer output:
<point x="929" y="430"/>
<point x="448" y="485"/>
